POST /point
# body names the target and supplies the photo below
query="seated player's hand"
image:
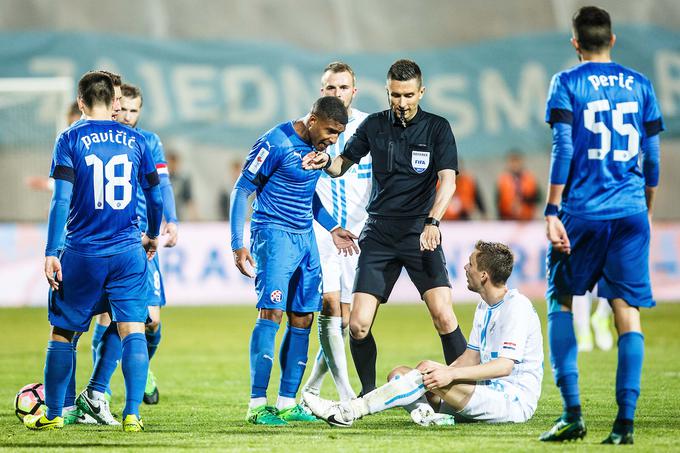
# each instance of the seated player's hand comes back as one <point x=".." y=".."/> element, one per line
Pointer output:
<point x="438" y="377"/>
<point x="150" y="245"/>
<point x="315" y="160"/>
<point x="241" y="259"/>
<point x="430" y="238"/>
<point x="428" y="365"/>
<point x="53" y="271"/>
<point x="557" y="234"/>
<point x="344" y="241"/>
<point x="170" y="230"/>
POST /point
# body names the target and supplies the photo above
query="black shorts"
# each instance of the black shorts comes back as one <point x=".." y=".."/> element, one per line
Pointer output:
<point x="386" y="247"/>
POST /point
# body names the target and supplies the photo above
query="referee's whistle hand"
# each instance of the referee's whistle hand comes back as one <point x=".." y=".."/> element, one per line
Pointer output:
<point x="241" y="259"/>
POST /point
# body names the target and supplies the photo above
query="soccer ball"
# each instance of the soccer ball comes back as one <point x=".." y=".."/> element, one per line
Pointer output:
<point x="29" y="400"/>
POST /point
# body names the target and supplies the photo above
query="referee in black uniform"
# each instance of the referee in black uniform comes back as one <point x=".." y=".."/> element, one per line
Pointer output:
<point x="412" y="151"/>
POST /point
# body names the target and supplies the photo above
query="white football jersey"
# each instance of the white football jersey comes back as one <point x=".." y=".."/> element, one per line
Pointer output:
<point x="346" y="197"/>
<point x="511" y="329"/>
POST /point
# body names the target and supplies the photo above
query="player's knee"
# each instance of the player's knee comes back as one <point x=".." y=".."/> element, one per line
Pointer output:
<point x="271" y="315"/>
<point x="331" y="304"/>
<point x="358" y="330"/>
<point x="444" y="322"/>
<point x="558" y="303"/>
<point x="398" y="371"/>
<point x="301" y="320"/>
<point x="62" y="335"/>
<point x="153" y="325"/>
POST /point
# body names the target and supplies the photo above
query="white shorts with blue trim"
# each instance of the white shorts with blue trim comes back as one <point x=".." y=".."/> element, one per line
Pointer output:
<point x="494" y="401"/>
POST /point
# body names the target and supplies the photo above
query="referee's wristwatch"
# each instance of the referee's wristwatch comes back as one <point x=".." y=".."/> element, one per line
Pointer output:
<point x="432" y="221"/>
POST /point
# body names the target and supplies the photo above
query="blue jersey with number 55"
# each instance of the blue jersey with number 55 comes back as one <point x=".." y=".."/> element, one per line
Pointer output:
<point x="611" y="109"/>
<point x="105" y="161"/>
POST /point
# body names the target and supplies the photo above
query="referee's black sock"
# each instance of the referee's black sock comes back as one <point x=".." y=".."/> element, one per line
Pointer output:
<point x="454" y="345"/>
<point x="364" y="354"/>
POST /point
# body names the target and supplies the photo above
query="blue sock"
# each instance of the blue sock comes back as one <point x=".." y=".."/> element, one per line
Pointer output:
<point x="135" y="364"/>
<point x="109" y="353"/>
<point x="58" y="368"/>
<point x="153" y="339"/>
<point x="293" y="360"/>
<point x="70" y="397"/>
<point x="563" y="354"/>
<point x="631" y="355"/>
<point x="261" y="356"/>
<point x="97" y="335"/>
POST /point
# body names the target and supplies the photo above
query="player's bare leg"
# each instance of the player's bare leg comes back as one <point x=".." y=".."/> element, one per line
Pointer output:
<point x="361" y="342"/>
<point x="440" y="305"/>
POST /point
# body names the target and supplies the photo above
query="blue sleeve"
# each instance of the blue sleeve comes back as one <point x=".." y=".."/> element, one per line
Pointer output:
<point x="169" y="208"/>
<point x="321" y="215"/>
<point x="562" y="152"/>
<point x="261" y="162"/>
<point x="651" y="113"/>
<point x="558" y="106"/>
<point x="650" y="160"/>
<point x="154" y="210"/>
<point x="56" y="223"/>
<point x="239" y="209"/>
<point x="148" y="176"/>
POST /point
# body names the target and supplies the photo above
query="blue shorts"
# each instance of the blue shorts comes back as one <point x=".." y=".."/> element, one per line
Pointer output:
<point x="156" y="296"/>
<point x="288" y="273"/>
<point x="612" y="253"/>
<point x="93" y="284"/>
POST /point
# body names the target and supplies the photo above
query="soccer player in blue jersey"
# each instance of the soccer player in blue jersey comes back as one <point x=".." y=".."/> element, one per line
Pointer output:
<point x="97" y="166"/>
<point x="109" y="350"/>
<point x="604" y="171"/>
<point x="284" y="251"/>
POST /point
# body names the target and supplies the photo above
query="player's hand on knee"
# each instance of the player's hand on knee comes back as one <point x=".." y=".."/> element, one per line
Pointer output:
<point x="557" y="234"/>
<point x="170" y="230"/>
<point x="150" y="245"/>
<point x="315" y="160"/>
<point x="241" y="259"/>
<point x="53" y="271"/>
<point x="344" y="241"/>
<point x="438" y="377"/>
<point x="428" y="365"/>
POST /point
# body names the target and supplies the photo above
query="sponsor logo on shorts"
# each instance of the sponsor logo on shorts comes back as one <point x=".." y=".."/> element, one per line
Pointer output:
<point x="276" y="296"/>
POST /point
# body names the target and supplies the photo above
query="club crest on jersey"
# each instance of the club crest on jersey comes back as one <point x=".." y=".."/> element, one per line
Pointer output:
<point x="276" y="296"/>
<point x="258" y="161"/>
<point x="420" y="160"/>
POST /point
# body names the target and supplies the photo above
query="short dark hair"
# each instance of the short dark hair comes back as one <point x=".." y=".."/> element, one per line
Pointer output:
<point x="338" y="66"/>
<point x="117" y="80"/>
<point x="330" y="108"/>
<point x="95" y="87"/>
<point x="132" y="92"/>
<point x="592" y="28"/>
<point x="496" y="260"/>
<point x="403" y="70"/>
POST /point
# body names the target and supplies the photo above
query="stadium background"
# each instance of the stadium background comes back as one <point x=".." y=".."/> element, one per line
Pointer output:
<point x="217" y="74"/>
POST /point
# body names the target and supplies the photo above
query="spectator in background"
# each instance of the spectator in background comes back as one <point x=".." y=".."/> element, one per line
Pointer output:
<point x="466" y="199"/>
<point x="517" y="191"/>
<point x="181" y="183"/>
<point x="234" y="170"/>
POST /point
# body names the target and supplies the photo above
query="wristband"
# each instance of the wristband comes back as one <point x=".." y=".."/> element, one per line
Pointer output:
<point x="551" y="209"/>
<point x="432" y="221"/>
<point x="330" y="161"/>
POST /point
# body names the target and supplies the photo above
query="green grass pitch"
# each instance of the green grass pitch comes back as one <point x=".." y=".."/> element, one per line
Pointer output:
<point x="202" y="370"/>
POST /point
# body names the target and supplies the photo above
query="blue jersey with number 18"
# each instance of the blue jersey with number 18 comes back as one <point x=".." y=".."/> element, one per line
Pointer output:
<point x="611" y="109"/>
<point x="105" y="161"/>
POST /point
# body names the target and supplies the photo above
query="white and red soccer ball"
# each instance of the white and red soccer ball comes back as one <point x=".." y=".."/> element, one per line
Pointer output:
<point x="30" y="400"/>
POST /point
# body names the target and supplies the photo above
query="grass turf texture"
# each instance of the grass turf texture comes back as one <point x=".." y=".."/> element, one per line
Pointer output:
<point x="202" y="370"/>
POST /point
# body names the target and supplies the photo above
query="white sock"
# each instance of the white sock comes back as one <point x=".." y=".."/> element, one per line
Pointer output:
<point x="96" y="395"/>
<point x="398" y="392"/>
<point x="332" y="339"/>
<point x="283" y="402"/>
<point x="603" y="310"/>
<point x="580" y="306"/>
<point x="319" y="370"/>
<point x="257" y="402"/>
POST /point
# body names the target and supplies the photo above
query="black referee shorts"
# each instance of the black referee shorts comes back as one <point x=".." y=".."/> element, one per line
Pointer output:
<point x="387" y="245"/>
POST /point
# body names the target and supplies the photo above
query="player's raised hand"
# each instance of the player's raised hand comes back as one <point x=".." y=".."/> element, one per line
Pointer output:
<point x="315" y="160"/>
<point x="53" y="271"/>
<point x="344" y="241"/>
<point x="150" y="245"/>
<point x="557" y="234"/>
<point x="430" y="238"/>
<point x="241" y="259"/>
<point x="170" y="230"/>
